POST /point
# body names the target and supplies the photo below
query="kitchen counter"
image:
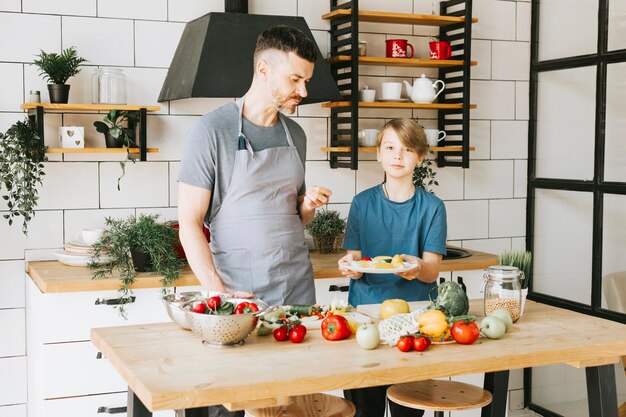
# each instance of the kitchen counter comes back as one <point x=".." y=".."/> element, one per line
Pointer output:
<point x="53" y="276"/>
<point x="169" y="368"/>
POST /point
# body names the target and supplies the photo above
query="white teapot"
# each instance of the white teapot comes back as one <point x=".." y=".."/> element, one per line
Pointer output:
<point x="424" y="90"/>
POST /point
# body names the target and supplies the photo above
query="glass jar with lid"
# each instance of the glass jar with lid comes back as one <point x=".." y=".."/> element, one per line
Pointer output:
<point x="502" y="288"/>
<point x="108" y="86"/>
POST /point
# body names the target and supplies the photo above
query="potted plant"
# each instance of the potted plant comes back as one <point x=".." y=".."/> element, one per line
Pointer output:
<point x="424" y="176"/>
<point x="116" y="129"/>
<point x="21" y="168"/>
<point x="57" y="69"/>
<point x="118" y="134"/>
<point x="327" y="229"/>
<point x="136" y="244"/>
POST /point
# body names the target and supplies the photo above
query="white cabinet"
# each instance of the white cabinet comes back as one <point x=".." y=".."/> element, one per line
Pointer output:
<point x="328" y="289"/>
<point x="66" y="373"/>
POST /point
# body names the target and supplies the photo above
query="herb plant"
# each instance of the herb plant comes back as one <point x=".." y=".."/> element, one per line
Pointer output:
<point x="519" y="259"/>
<point x="327" y="228"/>
<point x="58" y="68"/>
<point x="155" y="238"/>
<point x="21" y="169"/>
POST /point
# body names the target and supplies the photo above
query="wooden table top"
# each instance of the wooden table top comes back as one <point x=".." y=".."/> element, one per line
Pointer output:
<point x="53" y="276"/>
<point x="169" y="368"/>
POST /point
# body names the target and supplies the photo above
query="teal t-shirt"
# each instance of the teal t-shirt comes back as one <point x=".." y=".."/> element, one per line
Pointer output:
<point x="378" y="226"/>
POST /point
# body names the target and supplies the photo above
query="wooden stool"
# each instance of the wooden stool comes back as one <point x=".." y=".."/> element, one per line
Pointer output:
<point x="439" y="396"/>
<point x="312" y="405"/>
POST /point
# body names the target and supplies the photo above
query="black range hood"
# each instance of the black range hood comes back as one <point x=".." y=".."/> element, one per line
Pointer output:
<point x="214" y="56"/>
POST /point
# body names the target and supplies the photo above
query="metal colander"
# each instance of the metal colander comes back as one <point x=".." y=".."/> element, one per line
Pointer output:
<point x="223" y="330"/>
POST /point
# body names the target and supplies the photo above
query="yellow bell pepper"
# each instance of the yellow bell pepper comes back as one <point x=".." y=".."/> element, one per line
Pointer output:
<point x="433" y="323"/>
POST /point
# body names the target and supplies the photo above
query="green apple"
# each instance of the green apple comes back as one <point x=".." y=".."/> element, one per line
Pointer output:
<point x="492" y="327"/>
<point x="367" y="336"/>
<point x="504" y="316"/>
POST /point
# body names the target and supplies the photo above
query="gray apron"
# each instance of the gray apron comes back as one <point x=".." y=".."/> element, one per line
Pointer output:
<point x="257" y="237"/>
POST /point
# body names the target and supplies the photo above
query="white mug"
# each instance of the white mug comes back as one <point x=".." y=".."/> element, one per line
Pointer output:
<point x="367" y="137"/>
<point x="367" y="95"/>
<point x="434" y="135"/>
<point x="391" y="91"/>
<point x="89" y="236"/>
<point x="72" y="136"/>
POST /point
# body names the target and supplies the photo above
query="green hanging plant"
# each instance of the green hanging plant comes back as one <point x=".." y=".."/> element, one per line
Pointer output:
<point x="21" y="169"/>
<point x="424" y="176"/>
<point x="136" y="234"/>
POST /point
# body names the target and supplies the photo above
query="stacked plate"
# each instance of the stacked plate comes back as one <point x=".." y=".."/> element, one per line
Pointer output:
<point x="77" y="253"/>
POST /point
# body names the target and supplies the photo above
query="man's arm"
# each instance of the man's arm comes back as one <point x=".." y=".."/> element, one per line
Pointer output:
<point x="193" y="203"/>
<point x="314" y="198"/>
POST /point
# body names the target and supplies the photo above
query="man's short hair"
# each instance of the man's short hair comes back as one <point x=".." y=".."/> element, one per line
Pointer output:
<point x="286" y="39"/>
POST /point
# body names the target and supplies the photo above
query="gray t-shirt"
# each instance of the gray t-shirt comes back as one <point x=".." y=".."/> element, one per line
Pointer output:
<point x="209" y="151"/>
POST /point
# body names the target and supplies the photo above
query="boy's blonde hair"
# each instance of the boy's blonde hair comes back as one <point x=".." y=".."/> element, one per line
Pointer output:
<point x="409" y="132"/>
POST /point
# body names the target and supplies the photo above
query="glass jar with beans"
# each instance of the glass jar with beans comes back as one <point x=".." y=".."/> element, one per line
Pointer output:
<point x="502" y="289"/>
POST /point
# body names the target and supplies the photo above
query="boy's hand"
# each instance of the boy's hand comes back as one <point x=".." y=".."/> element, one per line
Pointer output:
<point x="413" y="273"/>
<point x="347" y="272"/>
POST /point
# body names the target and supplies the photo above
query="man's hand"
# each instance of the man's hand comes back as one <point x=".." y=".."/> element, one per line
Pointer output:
<point x="314" y="198"/>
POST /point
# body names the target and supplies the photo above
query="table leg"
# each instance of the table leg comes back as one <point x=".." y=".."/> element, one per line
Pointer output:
<point x="497" y="383"/>
<point x="601" y="391"/>
<point x="136" y="407"/>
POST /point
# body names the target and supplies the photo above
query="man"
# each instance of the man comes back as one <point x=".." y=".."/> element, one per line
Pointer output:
<point x="248" y="159"/>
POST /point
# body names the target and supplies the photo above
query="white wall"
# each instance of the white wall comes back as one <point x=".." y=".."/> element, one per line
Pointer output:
<point x="486" y="203"/>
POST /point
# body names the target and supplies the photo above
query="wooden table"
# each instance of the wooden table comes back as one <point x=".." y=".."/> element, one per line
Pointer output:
<point x="168" y="368"/>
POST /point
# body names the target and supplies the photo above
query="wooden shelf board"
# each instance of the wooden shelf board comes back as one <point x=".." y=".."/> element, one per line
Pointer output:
<point x="402" y="18"/>
<point x="401" y="62"/>
<point x="373" y="149"/>
<point x="87" y="107"/>
<point x="397" y="105"/>
<point x="98" y="150"/>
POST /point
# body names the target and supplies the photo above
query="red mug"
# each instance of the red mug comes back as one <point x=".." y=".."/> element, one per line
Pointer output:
<point x="440" y="50"/>
<point x="397" y="48"/>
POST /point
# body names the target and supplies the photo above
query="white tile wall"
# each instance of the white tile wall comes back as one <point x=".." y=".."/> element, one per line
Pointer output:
<point x="10" y="5"/>
<point x="13" y="323"/>
<point x="12" y="94"/>
<point x="44" y="33"/>
<point x="479" y="200"/>
<point x="13" y="380"/>
<point x="13" y="410"/>
<point x="12" y="284"/>
<point x="61" y="7"/>
<point x="156" y="43"/>
<point x="509" y="139"/>
<point x="136" y="9"/>
<point x="489" y="179"/>
<point x="89" y="36"/>
<point x="507" y="217"/>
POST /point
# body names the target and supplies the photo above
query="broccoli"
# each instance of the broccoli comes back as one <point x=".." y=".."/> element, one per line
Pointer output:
<point x="452" y="300"/>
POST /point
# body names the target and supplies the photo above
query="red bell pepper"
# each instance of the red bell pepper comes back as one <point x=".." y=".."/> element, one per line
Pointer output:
<point x="335" y="327"/>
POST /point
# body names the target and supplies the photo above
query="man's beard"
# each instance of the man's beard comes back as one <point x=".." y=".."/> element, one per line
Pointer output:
<point x="280" y="102"/>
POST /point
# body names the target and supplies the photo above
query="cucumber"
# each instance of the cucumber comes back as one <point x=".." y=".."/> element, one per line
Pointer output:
<point x="301" y="310"/>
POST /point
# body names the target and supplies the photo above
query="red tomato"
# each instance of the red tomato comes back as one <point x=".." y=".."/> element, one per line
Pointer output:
<point x="366" y="258"/>
<point x="199" y="308"/>
<point x="465" y="332"/>
<point x="421" y="343"/>
<point x="405" y="344"/>
<point x="214" y="302"/>
<point x="240" y="307"/>
<point x="296" y="335"/>
<point x="246" y="308"/>
<point x="281" y="334"/>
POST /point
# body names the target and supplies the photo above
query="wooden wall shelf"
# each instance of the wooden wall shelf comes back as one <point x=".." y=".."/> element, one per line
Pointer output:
<point x="99" y="150"/>
<point x="402" y="18"/>
<point x="87" y="107"/>
<point x="397" y="105"/>
<point x="401" y="62"/>
<point x="369" y="149"/>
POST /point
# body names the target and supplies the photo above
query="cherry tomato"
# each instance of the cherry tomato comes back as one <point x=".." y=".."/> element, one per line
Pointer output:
<point x="405" y="344"/>
<point x="246" y="308"/>
<point x="296" y="335"/>
<point x="240" y="307"/>
<point x="366" y="258"/>
<point x="199" y="308"/>
<point x="214" y="302"/>
<point x="421" y="343"/>
<point x="465" y="332"/>
<point x="281" y="334"/>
